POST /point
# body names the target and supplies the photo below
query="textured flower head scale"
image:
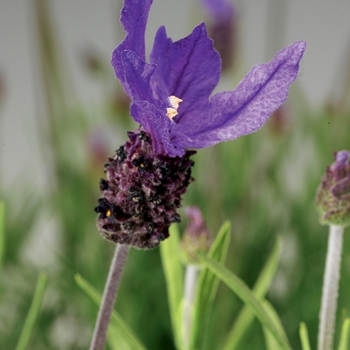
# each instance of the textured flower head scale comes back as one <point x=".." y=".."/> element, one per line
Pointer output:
<point x="171" y="100"/>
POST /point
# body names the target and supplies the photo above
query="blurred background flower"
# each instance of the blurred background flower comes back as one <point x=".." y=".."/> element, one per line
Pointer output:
<point x="222" y="28"/>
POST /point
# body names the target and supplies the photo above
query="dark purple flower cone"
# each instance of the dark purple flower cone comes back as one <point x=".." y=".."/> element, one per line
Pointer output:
<point x="141" y="193"/>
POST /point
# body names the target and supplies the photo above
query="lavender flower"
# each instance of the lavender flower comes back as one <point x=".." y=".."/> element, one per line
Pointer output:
<point x="197" y="238"/>
<point x="170" y="100"/>
<point x="333" y="194"/>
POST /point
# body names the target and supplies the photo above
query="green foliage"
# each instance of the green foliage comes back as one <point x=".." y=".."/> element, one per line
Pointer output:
<point x="262" y="285"/>
<point x="271" y="342"/>
<point x="243" y="292"/>
<point x="173" y="271"/>
<point x="207" y="287"/>
<point x="344" y="336"/>
<point x="33" y="313"/>
<point x="304" y="336"/>
<point x="2" y="231"/>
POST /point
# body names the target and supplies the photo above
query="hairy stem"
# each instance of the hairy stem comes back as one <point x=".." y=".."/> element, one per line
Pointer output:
<point x="109" y="295"/>
<point x="189" y="293"/>
<point x="330" y="288"/>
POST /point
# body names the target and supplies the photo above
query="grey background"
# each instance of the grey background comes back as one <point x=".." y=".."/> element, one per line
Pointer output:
<point x="265" y="26"/>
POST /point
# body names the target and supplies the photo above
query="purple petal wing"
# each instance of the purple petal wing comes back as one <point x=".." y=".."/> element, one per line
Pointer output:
<point x="246" y="109"/>
<point x="133" y="17"/>
<point x="137" y="75"/>
<point x="188" y="69"/>
<point x="157" y="124"/>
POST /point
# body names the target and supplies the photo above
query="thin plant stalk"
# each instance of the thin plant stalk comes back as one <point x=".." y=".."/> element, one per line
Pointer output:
<point x="109" y="295"/>
<point x="330" y="288"/>
<point x="191" y="277"/>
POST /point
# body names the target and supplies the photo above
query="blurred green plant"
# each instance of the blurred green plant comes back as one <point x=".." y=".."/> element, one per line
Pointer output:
<point x="261" y="287"/>
<point x="2" y="232"/>
<point x="33" y="313"/>
<point x="344" y="336"/>
<point x="207" y="288"/>
<point x="304" y="337"/>
<point x="269" y="319"/>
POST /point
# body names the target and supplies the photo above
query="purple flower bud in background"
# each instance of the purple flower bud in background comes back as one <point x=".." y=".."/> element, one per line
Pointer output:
<point x="222" y="28"/>
<point x="197" y="237"/>
<point x="333" y="194"/>
<point x="171" y="100"/>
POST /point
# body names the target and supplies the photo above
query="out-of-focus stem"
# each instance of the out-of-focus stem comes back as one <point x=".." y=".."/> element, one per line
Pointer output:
<point x="109" y="295"/>
<point x="330" y="288"/>
<point x="189" y="293"/>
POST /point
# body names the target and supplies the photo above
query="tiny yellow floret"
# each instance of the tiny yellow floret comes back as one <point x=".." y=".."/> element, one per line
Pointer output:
<point x="108" y="214"/>
<point x="171" y="112"/>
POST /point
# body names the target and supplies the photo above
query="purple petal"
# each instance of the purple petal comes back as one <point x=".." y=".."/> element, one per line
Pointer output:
<point x="157" y="125"/>
<point x="137" y="74"/>
<point x="246" y="109"/>
<point x="133" y="17"/>
<point x="159" y="56"/>
<point x="188" y="69"/>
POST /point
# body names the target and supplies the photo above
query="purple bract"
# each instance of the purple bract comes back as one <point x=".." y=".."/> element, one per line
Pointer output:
<point x="171" y="94"/>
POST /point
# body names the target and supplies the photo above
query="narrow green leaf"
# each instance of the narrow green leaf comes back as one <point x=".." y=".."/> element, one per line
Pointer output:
<point x="173" y="270"/>
<point x="344" y="336"/>
<point x="118" y="331"/>
<point x="207" y="287"/>
<point x="33" y="312"/>
<point x="262" y="285"/>
<point x="243" y="292"/>
<point x="304" y="336"/>
<point x="2" y="232"/>
<point x="271" y="342"/>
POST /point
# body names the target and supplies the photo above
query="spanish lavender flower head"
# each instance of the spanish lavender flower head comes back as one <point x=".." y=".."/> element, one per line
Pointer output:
<point x="170" y="99"/>
<point x="333" y="194"/>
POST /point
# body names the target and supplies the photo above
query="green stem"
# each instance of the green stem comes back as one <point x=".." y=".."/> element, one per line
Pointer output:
<point x="330" y="288"/>
<point x="109" y="295"/>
